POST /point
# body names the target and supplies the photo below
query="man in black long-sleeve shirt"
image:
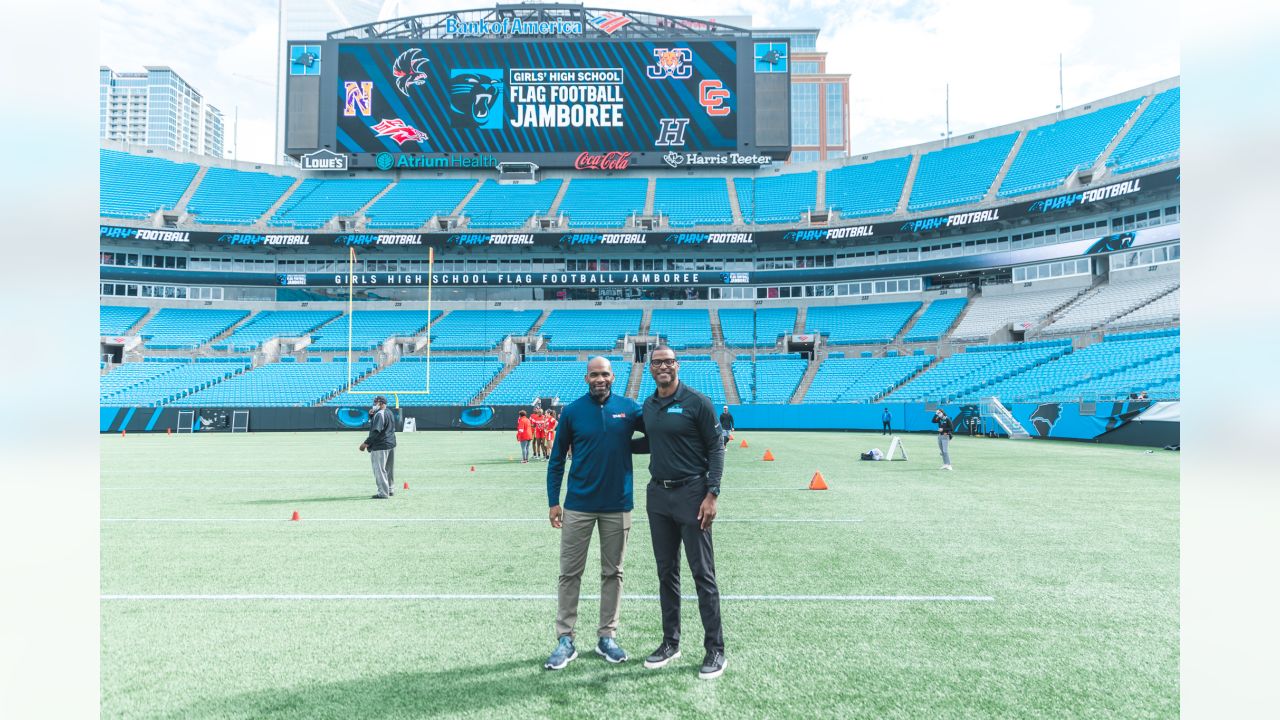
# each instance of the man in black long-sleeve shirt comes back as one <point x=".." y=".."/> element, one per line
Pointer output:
<point x="686" y="463"/>
<point x="726" y="426"/>
<point x="945" y="432"/>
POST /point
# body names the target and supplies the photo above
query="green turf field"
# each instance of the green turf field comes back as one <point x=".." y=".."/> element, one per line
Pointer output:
<point x="1060" y="561"/>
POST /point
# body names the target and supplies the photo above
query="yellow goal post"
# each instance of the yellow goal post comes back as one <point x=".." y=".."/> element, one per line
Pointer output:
<point x="351" y="270"/>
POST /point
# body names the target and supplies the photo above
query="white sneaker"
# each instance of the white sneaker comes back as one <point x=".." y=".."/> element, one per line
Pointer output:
<point x="946" y="467"/>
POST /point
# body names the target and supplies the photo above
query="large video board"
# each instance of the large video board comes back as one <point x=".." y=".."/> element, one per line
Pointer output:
<point x="607" y="104"/>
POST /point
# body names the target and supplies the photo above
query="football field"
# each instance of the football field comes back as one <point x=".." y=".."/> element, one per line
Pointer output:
<point x="1039" y="579"/>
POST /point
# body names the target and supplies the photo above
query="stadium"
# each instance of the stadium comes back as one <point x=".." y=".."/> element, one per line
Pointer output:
<point x="478" y="203"/>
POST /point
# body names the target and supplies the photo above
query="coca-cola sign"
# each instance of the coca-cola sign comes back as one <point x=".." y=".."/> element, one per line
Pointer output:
<point x="603" y="161"/>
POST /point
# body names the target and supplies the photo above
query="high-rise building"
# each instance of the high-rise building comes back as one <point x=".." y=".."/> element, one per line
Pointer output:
<point x="157" y="108"/>
<point x="819" y="99"/>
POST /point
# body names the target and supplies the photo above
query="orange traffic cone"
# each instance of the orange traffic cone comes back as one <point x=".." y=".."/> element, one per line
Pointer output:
<point x="744" y="443"/>
<point x="817" y="483"/>
<point x="296" y="516"/>
<point x="768" y="455"/>
<point x="406" y="486"/>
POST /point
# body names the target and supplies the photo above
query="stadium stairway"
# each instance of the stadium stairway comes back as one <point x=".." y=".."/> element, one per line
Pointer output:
<point x="261" y="223"/>
<point x="649" y="195"/>
<point x="1004" y="169"/>
<point x="554" y="210"/>
<point x="502" y="374"/>
<point x="806" y="380"/>
<point x="646" y="321"/>
<point x="633" y="382"/>
<point x="802" y="317"/>
<point x="457" y="211"/>
<point x="734" y="206"/>
<point x="725" y="361"/>
<point x="180" y="207"/>
<point x="1099" y="164"/>
<point x="536" y="329"/>
<point x="1053" y="314"/>
<point x="820" y="192"/>
<point x="899" y="339"/>
<point x="359" y="215"/>
<point x="717" y="332"/>
<point x="910" y="182"/>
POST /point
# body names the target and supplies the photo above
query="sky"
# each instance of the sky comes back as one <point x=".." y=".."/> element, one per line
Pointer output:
<point x="1000" y="57"/>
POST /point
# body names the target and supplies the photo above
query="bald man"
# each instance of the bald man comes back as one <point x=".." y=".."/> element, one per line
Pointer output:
<point x="598" y="428"/>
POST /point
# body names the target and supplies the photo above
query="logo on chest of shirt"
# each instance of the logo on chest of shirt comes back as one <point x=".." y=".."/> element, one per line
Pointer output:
<point x="615" y="416"/>
<point x="676" y="409"/>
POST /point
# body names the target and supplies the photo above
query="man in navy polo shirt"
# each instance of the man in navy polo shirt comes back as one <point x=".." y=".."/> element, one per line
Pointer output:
<point x="598" y="428"/>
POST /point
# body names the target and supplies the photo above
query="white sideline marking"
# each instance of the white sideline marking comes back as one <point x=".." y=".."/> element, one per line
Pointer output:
<point x="447" y="520"/>
<point x="419" y="596"/>
<point x="347" y="488"/>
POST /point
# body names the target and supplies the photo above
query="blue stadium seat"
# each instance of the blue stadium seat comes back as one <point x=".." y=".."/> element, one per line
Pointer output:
<point x="960" y="174"/>
<point x="370" y="328"/>
<point x="412" y="203"/>
<point x="316" y="202"/>
<point x="159" y="383"/>
<point x="278" y="384"/>
<point x="599" y="203"/>
<point x="765" y="325"/>
<point x="480" y="329"/>
<point x="860" y="324"/>
<point x="775" y="378"/>
<point x="117" y="319"/>
<point x="693" y="201"/>
<point x="236" y="197"/>
<point x="270" y="324"/>
<point x="861" y="379"/>
<point x="936" y="320"/>
<point x="1052" y="152"/>
<point x="136" y="186"/>
<point x="500" y="206"/>
<point x="869" y="189"/>
<point x="180" y="328"/>
<point x="967" y="374"/>
<point x="589" y="329"/>
<point x="682" y="328"/>
<point x="1155" y="136"/>
<point x="776" y="198"/>
<point x="552" y="377"/>
<point x="453" y="381"/>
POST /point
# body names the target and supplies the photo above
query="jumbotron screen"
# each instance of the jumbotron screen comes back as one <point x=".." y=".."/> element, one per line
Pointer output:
<point x="547" y="101"/>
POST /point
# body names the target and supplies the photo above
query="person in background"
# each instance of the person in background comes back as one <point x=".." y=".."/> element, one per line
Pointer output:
<point x="539" y="421"/>
<point x="726" y="425"/>
<point x="552" y="422"/>
<point x="524" y="435"/>
<point x="885" y="418"/>
<point x="381" y="445"/>
<point x="946" y="431"/>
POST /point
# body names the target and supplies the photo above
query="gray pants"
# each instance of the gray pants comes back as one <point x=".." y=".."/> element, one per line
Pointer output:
<point x="943" y="441"/>
<point x="575" y="538"/>
<point x="524" y="450"/>
<point x="384" y="470"/>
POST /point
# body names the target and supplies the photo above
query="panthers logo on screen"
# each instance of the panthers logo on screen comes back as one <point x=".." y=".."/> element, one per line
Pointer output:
<point x="475" y="99"/>
<point x="409" y="70"/>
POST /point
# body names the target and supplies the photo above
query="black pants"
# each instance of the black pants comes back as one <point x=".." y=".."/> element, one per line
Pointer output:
<point x="673" y="519"/>
<point x="886" y="430"/>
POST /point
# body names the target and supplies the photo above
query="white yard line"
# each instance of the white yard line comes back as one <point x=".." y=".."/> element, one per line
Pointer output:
<point x="449" y="520"/>
<point x="436" y="596"/>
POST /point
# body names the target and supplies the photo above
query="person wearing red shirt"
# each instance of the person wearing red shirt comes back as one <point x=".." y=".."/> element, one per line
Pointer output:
<point x="524" y="434"/>
<point x="552" y="422"/>
<point x="539" y="433"/>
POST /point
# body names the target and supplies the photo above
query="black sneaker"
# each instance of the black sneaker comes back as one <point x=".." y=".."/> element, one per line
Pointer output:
<point x="379" y="497"/>
<point x="660" y="657"/>
<point x="712" y="666"/>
